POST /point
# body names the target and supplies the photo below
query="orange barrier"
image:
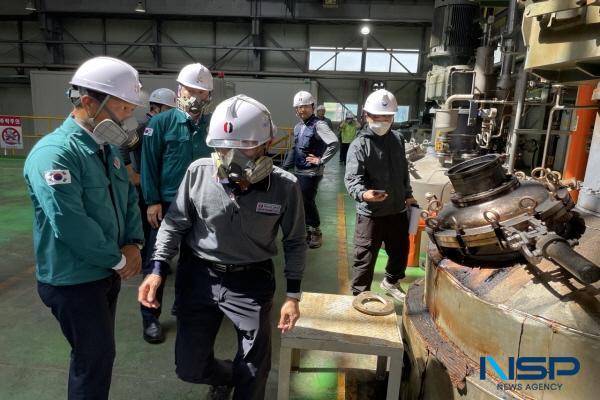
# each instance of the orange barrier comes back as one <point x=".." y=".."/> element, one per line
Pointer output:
<point x="414" y="249"/>
<point x="577" y="154"/>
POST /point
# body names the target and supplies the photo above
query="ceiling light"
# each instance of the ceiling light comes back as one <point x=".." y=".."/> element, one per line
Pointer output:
<point x="141" y="7"/>
<point x="30" y="5"/>
<point x="365" y="30"/>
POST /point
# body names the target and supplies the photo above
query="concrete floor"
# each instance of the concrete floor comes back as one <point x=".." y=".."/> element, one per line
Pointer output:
<point x="34" y="354"/>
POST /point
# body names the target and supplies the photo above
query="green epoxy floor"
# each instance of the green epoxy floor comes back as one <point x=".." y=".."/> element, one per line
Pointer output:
<point x="34" y="354"/>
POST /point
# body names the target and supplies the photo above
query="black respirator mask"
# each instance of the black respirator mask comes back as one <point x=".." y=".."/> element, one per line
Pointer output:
<point x="193" y="105"/>
<point x="237" y="167"/>
<point x="110" y="130"/>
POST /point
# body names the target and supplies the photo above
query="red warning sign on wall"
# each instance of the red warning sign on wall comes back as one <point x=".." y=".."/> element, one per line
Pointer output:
<point x="11" y="133"/>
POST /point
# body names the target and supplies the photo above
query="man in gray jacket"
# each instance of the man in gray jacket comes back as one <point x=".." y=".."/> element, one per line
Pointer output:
<point x="226" y="216"/>
<point x="377" y="178"/>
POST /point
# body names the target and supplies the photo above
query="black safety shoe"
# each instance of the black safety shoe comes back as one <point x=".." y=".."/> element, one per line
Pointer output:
<point x="316" y="238"/>
<point x="153" y="332"/>
<point x="219" y="392"/>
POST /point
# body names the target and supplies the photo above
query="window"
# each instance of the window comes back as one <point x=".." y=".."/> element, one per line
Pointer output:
<point x="376" y="60"/>
<point x="322" y="55"/>
<point x="402" y="113"/>
<point x="408" y="58"/>
<point x="336" y="112"/>
<point x="380" y="60"/>
<point x="334" y="59"/>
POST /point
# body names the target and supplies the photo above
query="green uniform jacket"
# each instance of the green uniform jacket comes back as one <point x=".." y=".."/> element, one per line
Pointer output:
<point x="348" y="131"/>
<point x="84" y="211"/>
<point x="171" y="144"/>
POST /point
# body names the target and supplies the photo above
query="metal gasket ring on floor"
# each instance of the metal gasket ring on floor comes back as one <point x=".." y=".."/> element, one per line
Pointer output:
<point x="363" y="300"/>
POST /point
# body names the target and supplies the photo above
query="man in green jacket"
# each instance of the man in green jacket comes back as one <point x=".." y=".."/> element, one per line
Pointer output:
<point x="172" y="141"/>
<point x="87" y="230"/>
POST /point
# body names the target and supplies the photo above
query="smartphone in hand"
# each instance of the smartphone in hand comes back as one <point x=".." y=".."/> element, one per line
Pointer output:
<point x="379" y="192"/>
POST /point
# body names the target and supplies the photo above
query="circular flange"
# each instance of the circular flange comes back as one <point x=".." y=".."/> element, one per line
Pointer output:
<point x="372" y="304"/>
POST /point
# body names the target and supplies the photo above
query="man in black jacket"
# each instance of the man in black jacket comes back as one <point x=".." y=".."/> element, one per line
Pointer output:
<point x="377" y="178"/>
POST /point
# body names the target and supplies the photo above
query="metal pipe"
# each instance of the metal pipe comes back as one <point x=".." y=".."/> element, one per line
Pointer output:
<point x="456" y="97"/>
<point x="558" y="107"/>
<point x="558" y="250"/>
<point x="516" y="121"/>
<point x="508" y="47"/>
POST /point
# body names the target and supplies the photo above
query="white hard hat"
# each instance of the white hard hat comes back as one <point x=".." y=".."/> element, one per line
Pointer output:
<point x="109" y="76"/>
<point x="240" y="122"/>
<point x="381" y="102"/>
<point x="320" y="107"/>
<point x="163" y="96"/>
<point x="303" y="98"/>
<point x="196" y="76"/>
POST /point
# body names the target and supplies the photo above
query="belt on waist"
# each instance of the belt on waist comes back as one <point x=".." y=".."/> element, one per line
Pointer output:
<point x="220" y="267"/>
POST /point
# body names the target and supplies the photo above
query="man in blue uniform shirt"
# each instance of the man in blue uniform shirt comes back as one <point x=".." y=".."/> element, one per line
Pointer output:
<point x="87" y="229"/>
<point x="172" y="141"/>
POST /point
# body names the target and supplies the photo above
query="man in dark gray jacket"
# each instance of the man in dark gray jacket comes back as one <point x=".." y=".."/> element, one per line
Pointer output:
<point x="226" y="216"/>
<point x="377" y="178"/>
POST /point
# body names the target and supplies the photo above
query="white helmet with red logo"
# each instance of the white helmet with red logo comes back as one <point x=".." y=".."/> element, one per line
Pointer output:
<point x="381" y="102"/>
<point x="240" y="122"/>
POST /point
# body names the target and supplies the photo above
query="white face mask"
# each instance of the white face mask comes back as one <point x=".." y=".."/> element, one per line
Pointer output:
<point x="380" y="127"/>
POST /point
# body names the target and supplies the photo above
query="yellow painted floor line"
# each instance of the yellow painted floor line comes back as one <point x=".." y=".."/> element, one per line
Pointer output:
<point x="343" y="281"/>
<point x="342" y="258"/>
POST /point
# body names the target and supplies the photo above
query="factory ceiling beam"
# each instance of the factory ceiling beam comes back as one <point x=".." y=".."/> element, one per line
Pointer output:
<point x="178" y="46"/>
<point x="83" y="46"/>
<point x="231" y="51"/>
<point x="286" y="53"/>
<point x="308" y="75"/>
<point x="138" y="42"/>
<point x="349" y="10"/>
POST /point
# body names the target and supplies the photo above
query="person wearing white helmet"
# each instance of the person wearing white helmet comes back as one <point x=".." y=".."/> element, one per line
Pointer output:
<point x="226" y="217"/>
<point x="87" y="228"/>
<point x="348" y="129"/>
<point x="160" y="100"/>
<point x="377" y="178"/>
<point x="321" y="115"/>
<point x="172" y="141"/>
<point x="314" y="145"/>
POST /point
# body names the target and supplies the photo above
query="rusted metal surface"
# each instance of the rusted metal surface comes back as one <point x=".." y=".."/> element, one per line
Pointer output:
<point x="519" y="310"/>
<point x="457" y="364"/>
<point x="438" y="369"/>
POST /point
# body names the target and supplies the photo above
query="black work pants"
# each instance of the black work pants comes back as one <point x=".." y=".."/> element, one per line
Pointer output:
<point x="309" y="186"/>
<point x="150" y="314"/>
<point x="369" y="234"/>
<point x="344" y="152"/>
<point x="203" y="296"/>
<point x="86" y="314"/>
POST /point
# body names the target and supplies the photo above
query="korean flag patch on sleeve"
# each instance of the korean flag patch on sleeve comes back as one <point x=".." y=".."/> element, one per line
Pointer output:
<point x="148" y="132"/>
<point x="57" y="177"/>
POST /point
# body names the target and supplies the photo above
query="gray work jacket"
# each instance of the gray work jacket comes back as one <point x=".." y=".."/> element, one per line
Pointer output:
<point x="222" y="227"/>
